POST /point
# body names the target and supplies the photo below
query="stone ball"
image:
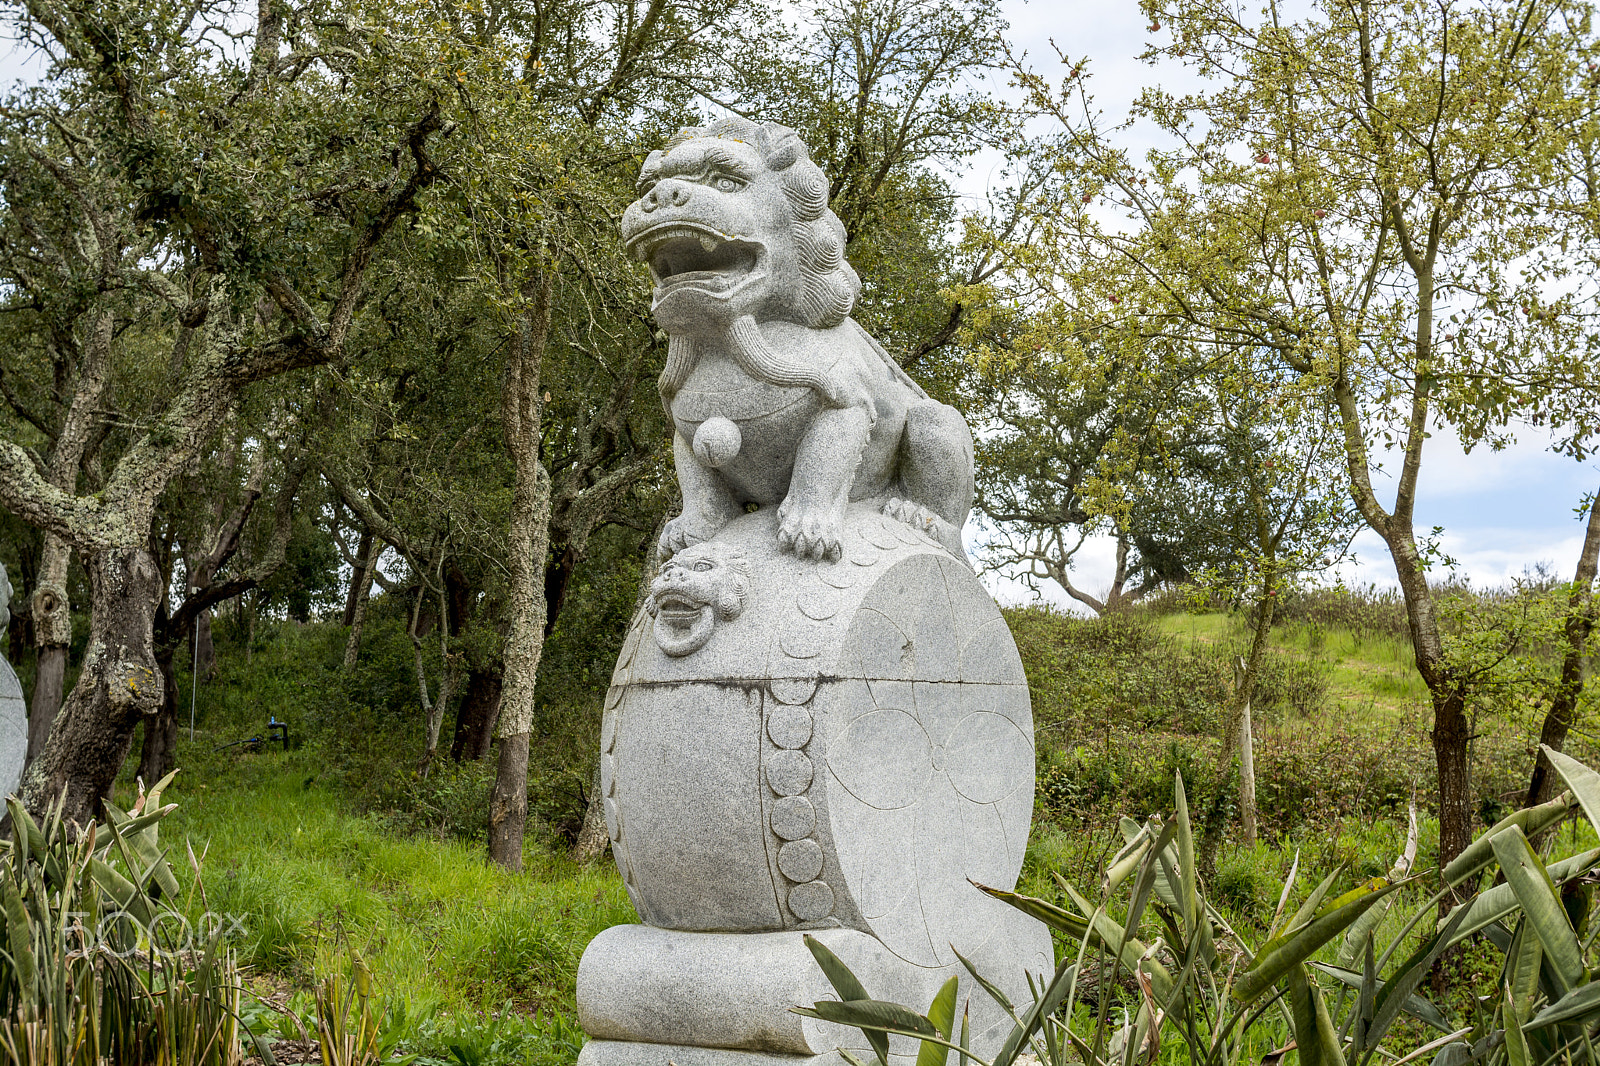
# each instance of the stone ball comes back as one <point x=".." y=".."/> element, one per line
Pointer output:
<point x="717" y="441"/>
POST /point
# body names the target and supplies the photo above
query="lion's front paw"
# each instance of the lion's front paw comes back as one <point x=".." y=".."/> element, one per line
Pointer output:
<point x="678" y="534"/>
<point x="811" y="532"/>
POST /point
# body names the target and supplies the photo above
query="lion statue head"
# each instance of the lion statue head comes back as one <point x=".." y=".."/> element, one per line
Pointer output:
<point x="733" y="219"/>
<point x="700" y="586"/>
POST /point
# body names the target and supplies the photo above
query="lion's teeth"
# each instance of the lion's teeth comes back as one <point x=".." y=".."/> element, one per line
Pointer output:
<point x="708" y="243"/>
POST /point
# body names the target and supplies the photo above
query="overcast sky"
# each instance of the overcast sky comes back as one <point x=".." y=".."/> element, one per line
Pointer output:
<point x="1501" y="512"/>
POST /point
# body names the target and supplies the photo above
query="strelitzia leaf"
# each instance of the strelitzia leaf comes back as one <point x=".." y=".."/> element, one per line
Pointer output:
<point x="1313" y="1028"/>
<point x="1493" y="904"/>
<point x="1279" y="955"/>
<point x="1188" y="892"/>
<point x="1056" y="917"/>
<point x="1313" y="903"/>
<point x="1414" y="1005"/>
<point x="1584" y="782"/>
<point x="1528" y="879"/>
<point x="849" y="988"/>
<point x="942" y="1013"/>
<point x="872" y="1014"/>
<point x="19" y="933"/>
<point x="1397" y="991"/>
<point x="1579" y="1003"/>
<point x="1524" y="958"/>
<point x="1360" y="931"/>
<point x="1530" y="820"/>
<point x="1046" y="1004"/>
<point x="1516" y="1043"/>
<point x="1125" y="862"/>
<point x="1131" y="949"/>
<point x="994" y="992"/>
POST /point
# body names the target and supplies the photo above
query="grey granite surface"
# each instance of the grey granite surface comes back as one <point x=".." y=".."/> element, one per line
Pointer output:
<point x="13" y="730"/>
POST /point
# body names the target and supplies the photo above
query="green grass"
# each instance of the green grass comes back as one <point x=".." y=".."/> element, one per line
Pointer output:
<point x="1370" y="674"/>
<point x="450" y="939"/>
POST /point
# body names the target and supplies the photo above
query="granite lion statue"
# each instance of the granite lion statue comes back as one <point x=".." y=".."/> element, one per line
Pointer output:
<point x="818" y="729"/>
<point x="777" y="396"/>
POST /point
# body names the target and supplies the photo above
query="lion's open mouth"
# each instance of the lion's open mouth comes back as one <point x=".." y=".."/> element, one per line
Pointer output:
<point x="680" y="254"/>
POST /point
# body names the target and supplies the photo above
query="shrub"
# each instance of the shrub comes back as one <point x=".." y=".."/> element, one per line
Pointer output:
<point x="100" y="966"/>
<point x="1089" y="675"/>
<point x="1248" y="879"/>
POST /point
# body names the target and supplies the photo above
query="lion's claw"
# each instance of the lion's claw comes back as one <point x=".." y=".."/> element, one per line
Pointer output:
<point x="810" y="533"/>
<point x="675" y="537"/>
<point x="912" y="514"/>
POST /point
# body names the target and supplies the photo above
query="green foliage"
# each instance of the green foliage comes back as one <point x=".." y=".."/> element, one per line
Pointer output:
<point x="1206" y="985"/>
<point x="99" y="960"/>
<point x="462" y="954"/>
<point x="1121" y="670"/>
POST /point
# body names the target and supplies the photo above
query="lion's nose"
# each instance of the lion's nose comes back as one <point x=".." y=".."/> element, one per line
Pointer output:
<point x="666" y="193"/>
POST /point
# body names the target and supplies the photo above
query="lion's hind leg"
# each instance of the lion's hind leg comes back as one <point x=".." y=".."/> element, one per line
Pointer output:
<point x="935" y="476"/>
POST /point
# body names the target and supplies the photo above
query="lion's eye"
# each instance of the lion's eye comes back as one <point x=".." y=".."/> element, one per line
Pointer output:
<point x="643" y="187"/>
<point x="703" y="565"/>
<point x="726" y="184"/>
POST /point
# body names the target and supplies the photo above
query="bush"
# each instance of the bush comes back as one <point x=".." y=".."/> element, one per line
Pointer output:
<point x="1248" y="879"/>
<point x="1090" y="675"/>
<point x="100" y="965"/>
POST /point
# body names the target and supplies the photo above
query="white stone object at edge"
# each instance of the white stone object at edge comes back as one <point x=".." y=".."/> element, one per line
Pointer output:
<point x="819" y="722"/>
<point x="13" y="730"/>
<point x="13" y="708"/>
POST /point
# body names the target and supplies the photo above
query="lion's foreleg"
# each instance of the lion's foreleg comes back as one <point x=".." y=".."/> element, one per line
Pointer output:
<point x="811" y="517"/>
<point x="707" y="503"/>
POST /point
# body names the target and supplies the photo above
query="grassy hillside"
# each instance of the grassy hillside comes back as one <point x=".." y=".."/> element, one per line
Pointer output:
<point x="341" y="844"/>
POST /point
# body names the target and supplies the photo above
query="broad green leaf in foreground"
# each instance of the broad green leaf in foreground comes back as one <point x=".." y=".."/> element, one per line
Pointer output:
<point x="1277" y="956"/>
<point x="1528" y="879"/>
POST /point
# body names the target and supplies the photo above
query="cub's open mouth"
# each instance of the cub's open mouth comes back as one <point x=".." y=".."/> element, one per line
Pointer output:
<point x="682" y="625"/>
<point x="679" y="608"/>
<point x="679" y="254"/>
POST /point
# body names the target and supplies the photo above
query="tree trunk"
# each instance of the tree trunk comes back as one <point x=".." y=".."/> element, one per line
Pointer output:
<point x="358" y="613"/>
<point x="1247" y="777"/>
<point x="159" y="752"/>
<point x="360" y="578"/>
<point x="120" y="686"/>
<point x="1452" y="734"/>
<point x="52" y="630"/>
<point x="592" y="835"/>
<point x="1452" y="730"/>
<point x="521" y="412"/>
<point x="508" y="802"/>
<point x="1574" y="662"/>
<point x="480" y="706"/>
<point x="1236" y="738"/>
<point x="557" y="579"/>
<point x="205" y="651"/>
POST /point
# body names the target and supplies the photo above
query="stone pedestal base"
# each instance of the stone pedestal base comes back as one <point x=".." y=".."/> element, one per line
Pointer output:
<point x="650" y="997"/>
<point x="627" y="1053"/>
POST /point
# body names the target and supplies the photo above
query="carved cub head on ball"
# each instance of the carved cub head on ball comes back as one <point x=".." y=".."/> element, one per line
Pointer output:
<point x="698" y="587"/>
